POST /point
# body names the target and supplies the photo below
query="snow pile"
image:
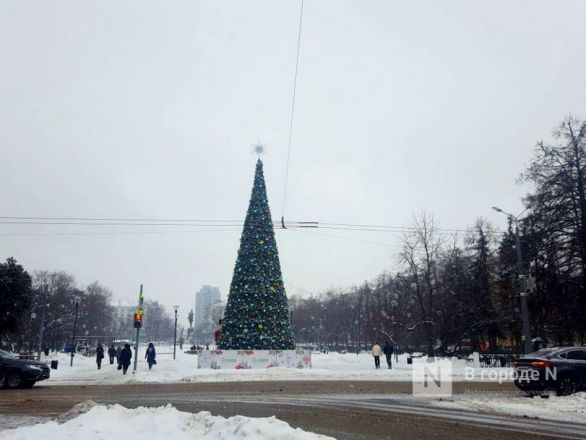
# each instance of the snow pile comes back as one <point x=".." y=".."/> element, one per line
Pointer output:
<point x="77" y="410"/>
<point x="116" y="422"/>
<point x="568" y="408"/>
<point x="11" y="422"/>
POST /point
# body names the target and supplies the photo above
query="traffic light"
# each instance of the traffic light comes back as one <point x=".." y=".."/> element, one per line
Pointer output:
<point x="137" y="320"/>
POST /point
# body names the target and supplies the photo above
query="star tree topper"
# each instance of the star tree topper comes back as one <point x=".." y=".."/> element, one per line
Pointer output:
<point x="259" y="149"/>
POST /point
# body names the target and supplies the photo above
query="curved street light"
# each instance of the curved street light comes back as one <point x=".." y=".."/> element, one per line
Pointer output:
<point x="522" y="280"/>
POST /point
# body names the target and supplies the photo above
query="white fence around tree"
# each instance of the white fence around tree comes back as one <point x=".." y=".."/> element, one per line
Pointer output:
<point x="253" y="359"/>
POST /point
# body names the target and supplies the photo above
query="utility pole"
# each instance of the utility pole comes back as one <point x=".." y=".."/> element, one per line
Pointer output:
<point x="175" y="334"/>
<point x="73" y="345"/>
<point x="396" y="342"/>
<point x="138" y="325"/>
<point x="42" y="327"/>
<point x="523" y="293"/>
<point x="522" y="282"/>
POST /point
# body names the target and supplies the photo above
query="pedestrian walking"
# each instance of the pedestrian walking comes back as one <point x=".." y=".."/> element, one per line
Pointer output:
<point x="376" y="352"/>
<point x="125" y="358"/>
<point x="99" y="355"/>
<point x="389" y="350"/>
<point x="112" y="353"/>
<point x="118" y="353"/>
<point x="218" y="332"/>
<point x="151" y="355"/>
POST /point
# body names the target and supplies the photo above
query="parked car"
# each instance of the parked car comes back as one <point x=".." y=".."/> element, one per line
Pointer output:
<point x="562" y="369"/>
<point x="460" y="352"/>
<point x="68" y="348"/>
<point x="21" y="373"/>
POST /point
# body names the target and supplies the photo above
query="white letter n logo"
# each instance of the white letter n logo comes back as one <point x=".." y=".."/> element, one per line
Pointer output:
<point x="429" y="373"/>
<point x="432" y="378"/>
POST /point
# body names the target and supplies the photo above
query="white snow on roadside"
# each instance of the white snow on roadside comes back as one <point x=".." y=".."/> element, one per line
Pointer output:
<point x="331" y="366"/>
<point x="12" y="421"/>
<point x="567" y="408"/>
<point x="116" y="422"/>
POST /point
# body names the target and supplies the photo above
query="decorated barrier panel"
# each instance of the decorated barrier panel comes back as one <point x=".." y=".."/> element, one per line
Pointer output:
<point x="253" y="359"/>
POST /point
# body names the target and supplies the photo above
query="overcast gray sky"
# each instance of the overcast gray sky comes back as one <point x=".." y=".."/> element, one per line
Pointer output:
<point x="149" y="109"/>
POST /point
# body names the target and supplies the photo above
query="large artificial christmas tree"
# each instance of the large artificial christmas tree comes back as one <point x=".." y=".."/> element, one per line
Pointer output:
<point x="257" y="314"/>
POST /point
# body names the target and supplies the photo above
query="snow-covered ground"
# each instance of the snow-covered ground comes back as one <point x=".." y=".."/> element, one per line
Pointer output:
<point x="331" y="366"/>
<point x="568" y="408"/>
<point x="116" y="422"/>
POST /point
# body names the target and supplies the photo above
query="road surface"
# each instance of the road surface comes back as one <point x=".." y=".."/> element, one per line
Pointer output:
<point x="345" y="410"/>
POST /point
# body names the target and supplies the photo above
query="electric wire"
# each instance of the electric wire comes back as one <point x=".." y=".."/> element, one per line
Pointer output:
<point x="119" y="221"/>
<point x="49" y="234"/>
<point x="101" y="219"/>
<point x="345" y="238"/>
<point x="292" y="109"/>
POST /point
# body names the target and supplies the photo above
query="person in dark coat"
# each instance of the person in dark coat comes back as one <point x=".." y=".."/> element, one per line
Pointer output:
<point x="112" y="354"/>
<point x="150" y="355"/>
<point x="388" y="351"/>
<point x="118" y="352"/>
<point x="99" y="355"/>
<point x="125" y="358"/>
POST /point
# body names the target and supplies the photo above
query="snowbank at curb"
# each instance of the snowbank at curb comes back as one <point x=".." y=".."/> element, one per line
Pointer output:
<point x="115" y="421"/>
<point x="568" y="408"/>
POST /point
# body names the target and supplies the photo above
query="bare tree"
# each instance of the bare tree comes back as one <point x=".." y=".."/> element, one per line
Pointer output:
<point x="420" y="255"/>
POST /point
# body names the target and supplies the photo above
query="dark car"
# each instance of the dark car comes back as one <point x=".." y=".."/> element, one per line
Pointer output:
<point x="68" y="348"/>
<point x="562" y="369"/>
<point x="21" y="373"/>
<point x="460" y="352"/>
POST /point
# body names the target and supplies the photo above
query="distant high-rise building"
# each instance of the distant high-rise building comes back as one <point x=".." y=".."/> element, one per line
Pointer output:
<point x="204" y="299"/>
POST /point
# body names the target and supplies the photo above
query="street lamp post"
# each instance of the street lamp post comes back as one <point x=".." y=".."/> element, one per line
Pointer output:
<point x="77" y="300"/>
<point x="394" y="305"/>
<point x="522" y="282"/>
<point x="175" y="334"/>
<point x="43" y="321"/>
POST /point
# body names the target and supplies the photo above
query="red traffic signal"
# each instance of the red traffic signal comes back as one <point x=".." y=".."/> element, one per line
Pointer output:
<point x="137" y="320"/>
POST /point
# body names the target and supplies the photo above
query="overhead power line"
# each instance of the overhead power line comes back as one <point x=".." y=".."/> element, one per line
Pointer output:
<point x="107" y="219"/>
<point x="292" y="110"/>
<point x="210" y="223"/>
<point x="340" y="237"/>
<point x="93" y="223"/>
<point x="49" y="234"/>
